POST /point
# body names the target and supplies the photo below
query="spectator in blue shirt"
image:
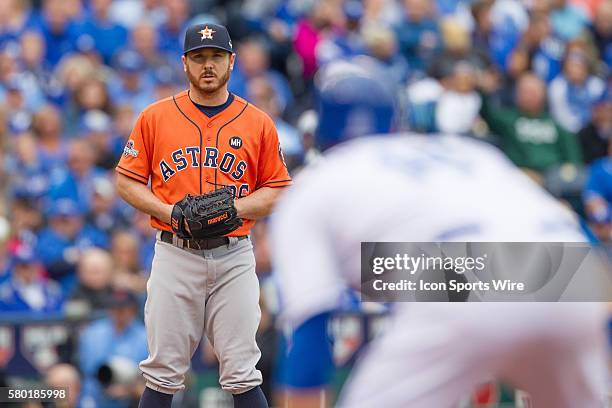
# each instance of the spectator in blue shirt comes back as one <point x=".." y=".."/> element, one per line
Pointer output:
<point x="418" y="34"/>
<point x="48" y="129"/>
<point x="27" y="290"/>
<point x="107" y="36"/>
<point x="61" y="243"/>
<point x="542" y="50"/>
<point x="58" y="29"/>
<point x="15" y="19"/>
<point x="573" y="94"/>
<point x="132" y="86"/>
<point x="171" y="31"/>
<point x="120" y="335"/>
<point x="382" y="46"/>
<point x="20" y="102"/>
<point x="145" y="39"/>
<point x="34" y="68"/>
<point x="30" y="172"/>
<point x="346" y="42"/>
<point x="106" y="213"/>
<point x="76" y="182"/>
<point x="90" y="95"/>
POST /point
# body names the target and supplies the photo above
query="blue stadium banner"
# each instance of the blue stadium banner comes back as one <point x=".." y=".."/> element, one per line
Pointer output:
<point x="485" y="272"/>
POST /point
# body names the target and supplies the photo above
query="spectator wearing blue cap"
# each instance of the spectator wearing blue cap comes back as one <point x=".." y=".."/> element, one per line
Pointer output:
<point x="27" y="290"/>
<point x="596" y="135"/>
<point x="132" y="86"/>
<point x="61" y="243"/>
<point x="107" y="35"/>
<point x="573" y="93"/>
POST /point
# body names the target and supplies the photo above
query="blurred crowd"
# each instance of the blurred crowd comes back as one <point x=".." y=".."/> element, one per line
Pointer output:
<point x="530" y="76"/>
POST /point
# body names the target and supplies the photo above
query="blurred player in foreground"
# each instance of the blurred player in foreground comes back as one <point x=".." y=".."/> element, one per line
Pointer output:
<point x="402" y="188"/>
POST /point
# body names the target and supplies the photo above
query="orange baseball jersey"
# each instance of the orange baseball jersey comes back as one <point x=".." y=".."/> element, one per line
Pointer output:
<point x="183" y="151"/>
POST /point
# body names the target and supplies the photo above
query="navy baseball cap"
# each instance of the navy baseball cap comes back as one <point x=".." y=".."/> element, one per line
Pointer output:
<point x="207" y="35"/>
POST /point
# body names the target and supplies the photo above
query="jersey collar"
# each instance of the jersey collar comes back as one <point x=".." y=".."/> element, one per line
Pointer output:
<point x="187" y="106"/>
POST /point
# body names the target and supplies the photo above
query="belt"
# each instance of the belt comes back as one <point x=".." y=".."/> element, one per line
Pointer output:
<point x="198" y="244"/>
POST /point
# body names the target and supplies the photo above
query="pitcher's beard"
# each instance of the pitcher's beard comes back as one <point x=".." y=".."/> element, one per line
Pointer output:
<point x="208" y="88"/>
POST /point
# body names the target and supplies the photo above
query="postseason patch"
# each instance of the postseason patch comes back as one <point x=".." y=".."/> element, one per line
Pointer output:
<point x="129" y="150"/>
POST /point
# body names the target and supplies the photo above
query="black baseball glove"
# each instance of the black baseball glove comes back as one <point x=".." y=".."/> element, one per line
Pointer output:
<point x="208" y="215"/>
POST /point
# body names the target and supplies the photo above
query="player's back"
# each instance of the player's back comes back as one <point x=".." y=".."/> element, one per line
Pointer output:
<point x="412" y="188"/>
<point x="434" y="188"/>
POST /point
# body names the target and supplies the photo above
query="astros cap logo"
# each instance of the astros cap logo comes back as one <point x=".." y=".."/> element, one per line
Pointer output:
<point x="206" y="33"/>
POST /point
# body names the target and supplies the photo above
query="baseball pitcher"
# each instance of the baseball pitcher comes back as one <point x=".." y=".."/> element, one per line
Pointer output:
<point x="204" y="164"/>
